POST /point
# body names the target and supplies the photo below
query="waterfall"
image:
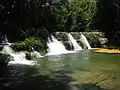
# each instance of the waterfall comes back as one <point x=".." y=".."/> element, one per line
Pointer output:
<point x="17" y="57"/>
<point x="75" y="44"/>
<point x="85" y="42"/>
<point x="55" y="47"/>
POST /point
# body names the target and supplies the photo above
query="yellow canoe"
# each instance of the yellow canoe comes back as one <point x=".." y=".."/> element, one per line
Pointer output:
<point x="102" y="50"/>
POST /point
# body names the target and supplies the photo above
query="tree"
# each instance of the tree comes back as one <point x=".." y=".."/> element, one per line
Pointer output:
<point x="44" y="15"/>
<point x="75" y="15"/>
<point x="107" y="18"/>
<point x="22" y="15"/>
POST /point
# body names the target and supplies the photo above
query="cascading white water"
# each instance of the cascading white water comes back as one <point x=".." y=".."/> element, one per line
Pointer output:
<point x="55" y="47"/>
<point x="85" y="42"/>
<point x="7" y="49"/>
<point x="36" y="54"/>
<point x="18" y="58"/>
<point x="75" y="44"/>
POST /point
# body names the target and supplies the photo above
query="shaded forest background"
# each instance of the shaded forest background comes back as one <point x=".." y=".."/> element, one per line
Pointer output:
<point x="25" y="18"/>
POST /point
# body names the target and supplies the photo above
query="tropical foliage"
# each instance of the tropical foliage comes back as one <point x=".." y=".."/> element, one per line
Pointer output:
<point x="25" y="15"/>
<point x="30" y="44"/>
<point x="22" y="17"/>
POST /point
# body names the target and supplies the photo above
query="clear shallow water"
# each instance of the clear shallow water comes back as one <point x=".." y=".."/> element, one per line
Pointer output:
<point x="85" y="70"/>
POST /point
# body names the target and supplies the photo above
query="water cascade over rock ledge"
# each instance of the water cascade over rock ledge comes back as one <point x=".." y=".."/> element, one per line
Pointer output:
<point x="59" y="43"/>
<point x="73" y="41"/>
<point x="16" y="57"/>
<point x="56" y="47"/>
<point x="85" y="42"/>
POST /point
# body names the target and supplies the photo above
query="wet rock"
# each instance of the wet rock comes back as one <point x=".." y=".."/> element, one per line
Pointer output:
<point x="61" y="36"/>
<point x="103" y="41"/>
<point x="68" y="45"/>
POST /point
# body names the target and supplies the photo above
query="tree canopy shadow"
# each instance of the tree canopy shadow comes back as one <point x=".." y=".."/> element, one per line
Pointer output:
<point x="88" y="86"/>
<point x="36" y="81"/>
<point x="46" y="83"/>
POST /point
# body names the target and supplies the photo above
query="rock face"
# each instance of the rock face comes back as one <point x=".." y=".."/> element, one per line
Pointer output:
<point x="68" y="45"/>
<point x="62" y="36"/>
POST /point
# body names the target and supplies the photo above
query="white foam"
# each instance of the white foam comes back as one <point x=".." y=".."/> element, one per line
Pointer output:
<point x="19" y="58"/>
<point x="75" y="44"/>
<point x="55" y="47"/>
<point x="36" y="54"/>
<point x="85" y="41"/>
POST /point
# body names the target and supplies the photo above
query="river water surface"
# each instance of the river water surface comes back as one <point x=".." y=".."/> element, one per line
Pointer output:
<point x="84" y="70"/>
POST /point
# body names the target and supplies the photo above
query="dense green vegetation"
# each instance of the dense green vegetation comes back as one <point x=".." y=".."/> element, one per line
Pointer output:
<point x="30" y="44"/>
<point x="75" y="15"/>
<point x="26" y="18"/>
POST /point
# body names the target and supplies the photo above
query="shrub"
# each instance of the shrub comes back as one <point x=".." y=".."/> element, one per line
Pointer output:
<point x="29" y="44"/>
